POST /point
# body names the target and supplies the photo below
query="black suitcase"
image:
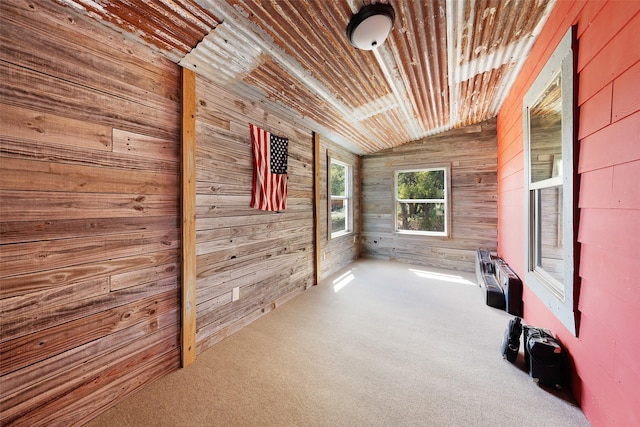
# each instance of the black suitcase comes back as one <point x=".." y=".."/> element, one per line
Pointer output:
<point x="484" y="262"/>
<point x="494" y="296"/>
<point x="510" y="346"/>
<point x="511" y="285"/>
<point x="544" y="356"/>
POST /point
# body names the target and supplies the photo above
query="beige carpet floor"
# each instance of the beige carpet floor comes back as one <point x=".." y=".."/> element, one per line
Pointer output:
<point x="378" y="344"/>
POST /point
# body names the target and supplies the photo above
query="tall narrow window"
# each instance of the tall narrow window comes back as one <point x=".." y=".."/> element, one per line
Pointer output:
<point x="545" y="186"/>
<point x="549" y="184"/>
<point x="422" y="205"/>
<point x="340" y="205"/>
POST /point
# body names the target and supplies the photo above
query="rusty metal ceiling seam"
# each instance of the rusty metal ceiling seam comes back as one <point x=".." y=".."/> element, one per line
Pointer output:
<point x="448" y="63"/>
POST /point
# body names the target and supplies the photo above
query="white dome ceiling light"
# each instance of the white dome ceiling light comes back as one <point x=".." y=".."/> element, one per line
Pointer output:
<point x="370" y="27"/>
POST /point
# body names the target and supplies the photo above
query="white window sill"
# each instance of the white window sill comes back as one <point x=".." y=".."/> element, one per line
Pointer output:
<point x="422" y="233"/>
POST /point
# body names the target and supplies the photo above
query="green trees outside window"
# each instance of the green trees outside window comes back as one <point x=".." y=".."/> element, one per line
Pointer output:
<point x="340" y="186"/>
<point x="421" y="201"/>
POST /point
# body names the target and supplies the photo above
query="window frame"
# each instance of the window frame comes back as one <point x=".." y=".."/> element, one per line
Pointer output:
<point x="446" y="200"/>
<point x="347" y="198"/>
<point x="558" y="297"/>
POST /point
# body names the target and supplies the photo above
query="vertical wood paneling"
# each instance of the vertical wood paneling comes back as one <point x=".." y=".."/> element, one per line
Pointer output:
<point x="316" y="207"/>
<point x="268" y="256"/>
<point x="472" y="155"/>
<point x="604" y="374"/>
<point x="89" y="216"/>
<point x="188" y="324"/>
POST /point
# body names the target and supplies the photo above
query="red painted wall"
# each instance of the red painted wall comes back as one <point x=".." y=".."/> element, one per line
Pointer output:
<point x="605" y="371"/>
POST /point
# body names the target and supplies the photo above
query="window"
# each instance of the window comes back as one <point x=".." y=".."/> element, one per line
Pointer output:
<point x="340" y="198"/>
<point x="549" y="184"/>
<point x="422" y="205"/>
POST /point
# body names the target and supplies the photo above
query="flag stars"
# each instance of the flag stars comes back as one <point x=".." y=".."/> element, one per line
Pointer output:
<point x="278" y="154"/>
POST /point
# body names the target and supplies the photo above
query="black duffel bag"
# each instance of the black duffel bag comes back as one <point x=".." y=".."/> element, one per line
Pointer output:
<point x="511" y="340"/>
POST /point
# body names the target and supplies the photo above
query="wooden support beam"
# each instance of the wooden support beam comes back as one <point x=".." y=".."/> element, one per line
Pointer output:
<point x="188" y="322"/>
<point x="316" y="206"/>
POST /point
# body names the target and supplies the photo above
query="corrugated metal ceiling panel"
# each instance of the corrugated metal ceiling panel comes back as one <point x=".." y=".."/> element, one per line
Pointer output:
<point x="172" y="26"/>
<point x="447" y="63"/>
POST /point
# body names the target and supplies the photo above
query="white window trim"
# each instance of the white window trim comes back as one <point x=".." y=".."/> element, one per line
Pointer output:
<point x="348" y="197"/>
<point x="446" y="201"/>
<point x="539" y="281"/>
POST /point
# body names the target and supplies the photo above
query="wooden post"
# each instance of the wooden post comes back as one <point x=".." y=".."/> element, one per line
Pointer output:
<point x="188" y="322"/>
<point x="316" y="205"/>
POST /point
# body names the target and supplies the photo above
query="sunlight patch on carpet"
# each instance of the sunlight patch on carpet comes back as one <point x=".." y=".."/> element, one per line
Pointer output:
<point x="342" y="281"/>
<point x="442" y="277"/>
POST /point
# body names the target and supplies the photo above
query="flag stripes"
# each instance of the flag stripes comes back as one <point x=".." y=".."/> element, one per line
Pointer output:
<point x="270" y="170"/>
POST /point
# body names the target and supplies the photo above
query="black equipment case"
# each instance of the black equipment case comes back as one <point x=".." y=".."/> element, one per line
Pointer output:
<point x="544" y="357"/>
<point x="503" y="287"/>
<point x="484" y="262"/>
<point x="494" y="295"/>
<point x="512" y="286"/>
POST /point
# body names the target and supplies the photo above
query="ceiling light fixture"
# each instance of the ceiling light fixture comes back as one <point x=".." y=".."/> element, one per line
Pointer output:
<point x="370" y="27"/>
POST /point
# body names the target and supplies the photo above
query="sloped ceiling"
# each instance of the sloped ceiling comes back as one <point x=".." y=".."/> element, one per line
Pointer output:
<point x="446" y="63"/>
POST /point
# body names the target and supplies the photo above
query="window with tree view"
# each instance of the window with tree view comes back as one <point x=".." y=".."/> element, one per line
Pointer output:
<point x="422" y="201"/>
<point x="340" y="187"/>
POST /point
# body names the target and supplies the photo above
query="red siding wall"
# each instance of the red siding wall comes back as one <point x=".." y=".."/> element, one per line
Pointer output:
<point x="605" y="370"/>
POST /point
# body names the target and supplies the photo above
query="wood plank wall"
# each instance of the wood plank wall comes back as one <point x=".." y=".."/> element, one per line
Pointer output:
<point x="340" y="251"/>
<point x="89" y="216"/>
<point x="472" y="154"/>
<point x="268" y="256"/>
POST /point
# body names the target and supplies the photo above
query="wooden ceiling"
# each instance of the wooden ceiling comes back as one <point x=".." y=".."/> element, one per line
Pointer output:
<point x="446" y="63"/>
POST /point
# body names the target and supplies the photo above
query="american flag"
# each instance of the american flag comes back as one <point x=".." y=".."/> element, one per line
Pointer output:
<point x="270" y="170"/>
